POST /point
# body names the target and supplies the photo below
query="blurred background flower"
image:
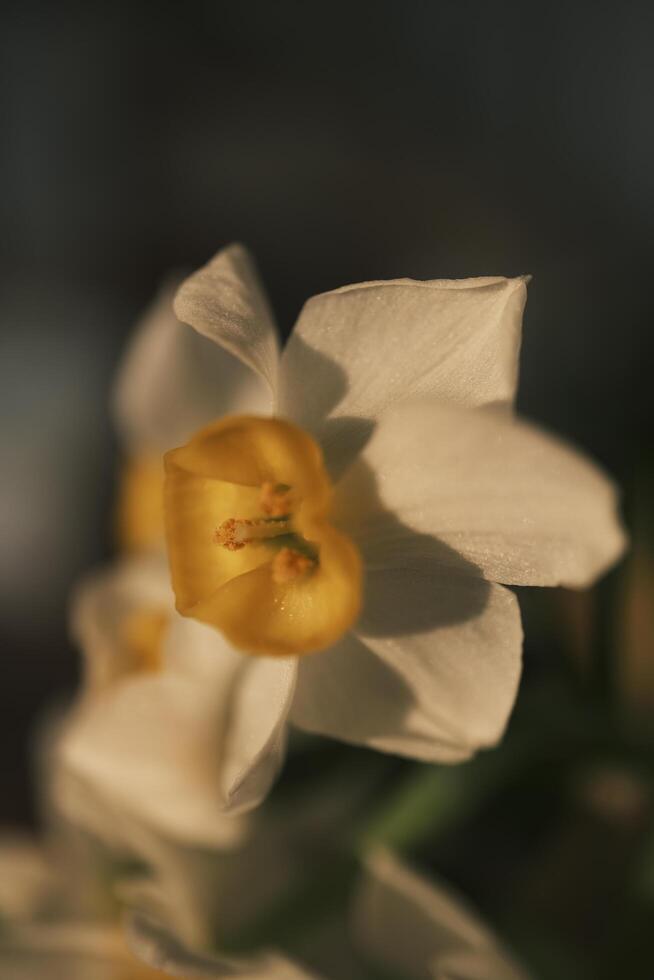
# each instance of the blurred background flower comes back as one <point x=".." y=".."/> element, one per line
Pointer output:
<point x="346" y="143"/>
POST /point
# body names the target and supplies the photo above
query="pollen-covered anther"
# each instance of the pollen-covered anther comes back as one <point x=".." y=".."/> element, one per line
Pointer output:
<point x="289" y="565"/>
<point x="235" y="532"/>
<point x="275" y="499"/>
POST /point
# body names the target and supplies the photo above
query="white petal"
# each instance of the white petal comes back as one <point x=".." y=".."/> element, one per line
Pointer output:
<point x="100" y="605"/>
<point x="409" y="924"/>
<point x="432" y="674"/>
<point x="172" y="382"/>
<point x="152" y="873"/>
<point x="155" y="946"/>
<point x="497" y="496"/>
<point x="200" y="896"/>
<point x="357" y="350"/>
<point x="225" y="301"/>
<point x="153" y="748"/>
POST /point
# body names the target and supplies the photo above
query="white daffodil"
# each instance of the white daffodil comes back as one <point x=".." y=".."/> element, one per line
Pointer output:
<point x="207" y="886"/>
<point x="358" y="535"/>
<point x="173" y="727"/>
<point x="42" y="937"/>
<point x="399" y="921"/>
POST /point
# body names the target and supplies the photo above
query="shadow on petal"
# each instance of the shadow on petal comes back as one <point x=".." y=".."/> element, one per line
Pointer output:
<point x="324" y="703"/>
<point x="342" y="439"/>
<point x="404" y="603"/>
<point x="310" y="392"/>
<point x="313" y="381"/>
<point x="414" y="583"/>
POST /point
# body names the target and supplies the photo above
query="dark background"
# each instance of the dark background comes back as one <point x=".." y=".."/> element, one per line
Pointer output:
<point x="341" y="143"/>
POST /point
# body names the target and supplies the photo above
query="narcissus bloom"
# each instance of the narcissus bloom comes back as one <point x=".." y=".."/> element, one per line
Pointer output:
<point x="397" y="919"/>
<point x="367" y="527"/>
<point x="399" y="922"/>
<point x="43" y="935"/>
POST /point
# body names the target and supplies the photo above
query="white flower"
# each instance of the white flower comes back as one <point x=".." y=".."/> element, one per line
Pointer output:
<point x="42" y="934"/>
<point x="410" y="927"/>
<point x="408" y="388"/>
<point x="405" y="924"/>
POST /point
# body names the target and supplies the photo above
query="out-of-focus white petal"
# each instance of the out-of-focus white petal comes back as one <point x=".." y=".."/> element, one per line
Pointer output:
<point x="495" y="494"/>
<point x="225" y="301"/>
<point x="359" y="349"/>
<point x="102" y="602"/>
<point x="204" y="896"/>
<point x="432" y="673"/>
<point x="407" y="923"/>
<point x="171" y="382"/>
<point x="153" y="746"/>
<point x="178" y="882"/>
<point x="183" y="745"/>
<point x="157" y="947"/>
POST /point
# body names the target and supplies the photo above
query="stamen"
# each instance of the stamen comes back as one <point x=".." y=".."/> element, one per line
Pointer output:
<point x="276" y="500"/>
<point x="236" y="532"/>
<point x="289" y="564"/>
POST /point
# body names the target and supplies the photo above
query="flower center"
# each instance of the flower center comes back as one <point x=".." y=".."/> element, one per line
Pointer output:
<point x="294" y="556"/>
<point x="251" y="549"/>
